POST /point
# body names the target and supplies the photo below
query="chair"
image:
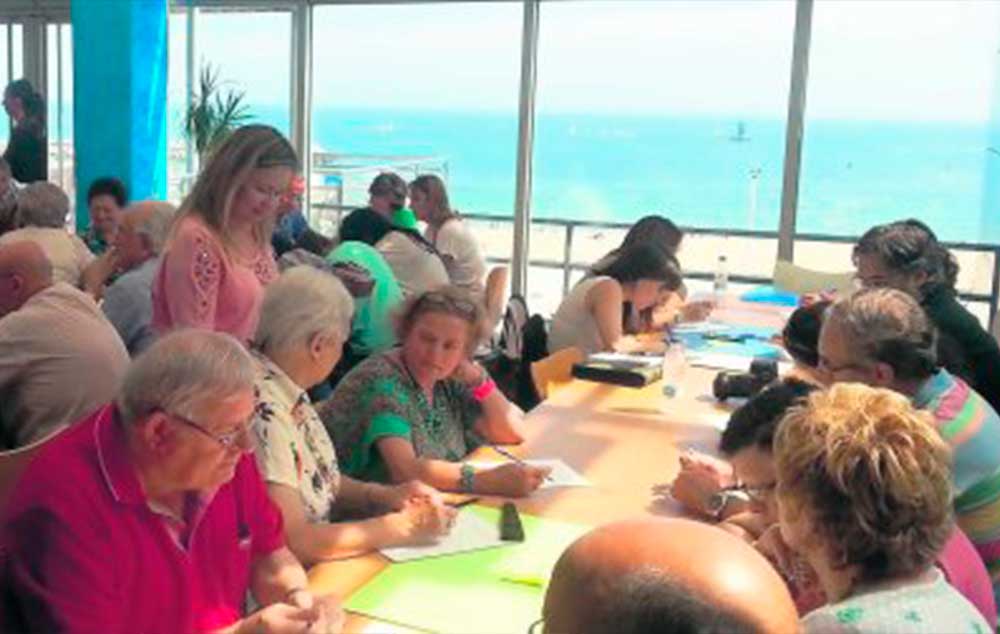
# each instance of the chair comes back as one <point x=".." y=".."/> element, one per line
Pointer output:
<point x="12" y="463"/>
<point x="798" y="279"/>
<point x="496" y="287"/>
<point x="554" y="369"/>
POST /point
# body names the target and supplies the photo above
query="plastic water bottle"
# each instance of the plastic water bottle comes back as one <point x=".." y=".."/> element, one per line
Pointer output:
<point x="721" y="282"/>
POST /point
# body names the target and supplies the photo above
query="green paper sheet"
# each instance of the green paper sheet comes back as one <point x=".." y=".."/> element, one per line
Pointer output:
<point x="467" y="593"/>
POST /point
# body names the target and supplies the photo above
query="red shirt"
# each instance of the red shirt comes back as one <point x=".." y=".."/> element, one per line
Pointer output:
<point x="86" y="553"/>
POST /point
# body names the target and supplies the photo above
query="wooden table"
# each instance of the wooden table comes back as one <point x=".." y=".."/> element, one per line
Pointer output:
<point x="623" y="440"/>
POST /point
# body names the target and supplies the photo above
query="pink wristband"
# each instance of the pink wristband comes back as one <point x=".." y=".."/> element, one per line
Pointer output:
<point x="484" y="389"/>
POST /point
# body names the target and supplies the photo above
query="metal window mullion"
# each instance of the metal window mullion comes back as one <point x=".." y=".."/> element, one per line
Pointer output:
<point x="525" y="147"/>
<point x="191" y="69"/>
<point x="794" y="129"/>
<point x="59" y="106"/>
<point x="301" y="93"/>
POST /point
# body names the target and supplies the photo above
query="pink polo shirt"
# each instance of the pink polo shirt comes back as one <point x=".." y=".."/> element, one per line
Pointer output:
<point x="86" y="553"/>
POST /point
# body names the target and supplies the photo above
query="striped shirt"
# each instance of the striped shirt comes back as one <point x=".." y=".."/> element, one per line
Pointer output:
<point x="972" y="427"/>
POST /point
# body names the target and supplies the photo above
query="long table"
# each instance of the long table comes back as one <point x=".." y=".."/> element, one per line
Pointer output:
<point x="624" y="440"/>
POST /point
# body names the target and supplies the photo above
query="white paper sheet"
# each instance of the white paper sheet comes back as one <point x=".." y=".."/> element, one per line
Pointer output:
<point x="562" y="474"/>
<point x="470" y="532"/>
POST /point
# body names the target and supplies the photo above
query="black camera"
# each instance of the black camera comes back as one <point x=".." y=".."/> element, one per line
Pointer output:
<point x="731" y="383"/>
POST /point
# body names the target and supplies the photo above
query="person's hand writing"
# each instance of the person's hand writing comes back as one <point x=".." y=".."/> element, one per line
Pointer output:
<point x="512" y="479"/>
<point x="697" y="310"/>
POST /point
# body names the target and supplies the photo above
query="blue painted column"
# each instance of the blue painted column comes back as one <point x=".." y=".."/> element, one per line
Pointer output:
<point x="120" y="96"/>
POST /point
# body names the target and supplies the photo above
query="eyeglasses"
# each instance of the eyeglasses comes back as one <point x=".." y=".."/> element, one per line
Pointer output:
<point x="228" y="440"/>
<point x="537" y="626"/>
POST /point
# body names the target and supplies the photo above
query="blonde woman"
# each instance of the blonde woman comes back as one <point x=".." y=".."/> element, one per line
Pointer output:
<point x="459" y="249"/>
<point x="219" y="258"/>
<point x="864" y="494"/>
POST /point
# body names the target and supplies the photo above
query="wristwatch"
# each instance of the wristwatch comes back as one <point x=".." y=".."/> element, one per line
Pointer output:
<point x="717" y="502"/>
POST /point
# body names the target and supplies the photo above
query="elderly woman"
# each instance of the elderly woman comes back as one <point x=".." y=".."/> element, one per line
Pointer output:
<point x="41" y="215"/>
<point x="416" y="411"/>
<point x="150" y="514"/>
<point x="864" y="494"/>
<point x="305" y="319"/>
<point x="106" y="199"/>
<point x="459" y="249"/>
<point x="907" y="256"/>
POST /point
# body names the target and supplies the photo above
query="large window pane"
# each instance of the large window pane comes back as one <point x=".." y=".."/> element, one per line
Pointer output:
<point x="60" y="106"/>
<point x="423" y="88"/>
<point x="252" y="51"/>
<point x="899" y="115"/>
<point x="669" y="107"/>
<point x="179" y="167"/>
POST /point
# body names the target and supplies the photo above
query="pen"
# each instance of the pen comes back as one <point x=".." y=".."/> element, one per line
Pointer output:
<point x="463" y="503"/>
<point x="503" y="452"/>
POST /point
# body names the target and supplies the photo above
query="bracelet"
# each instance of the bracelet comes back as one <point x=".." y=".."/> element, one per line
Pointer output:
<point x="484" y="389"/>
<point x="466" y="477"/>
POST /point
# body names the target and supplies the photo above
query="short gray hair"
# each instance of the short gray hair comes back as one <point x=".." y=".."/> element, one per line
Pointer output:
<point x="888" y="326"/>
<point x="301" y="303"/>
<point x="155" y="222"/>
<point x="42" y="205"/>
<point x="182" y="371"/>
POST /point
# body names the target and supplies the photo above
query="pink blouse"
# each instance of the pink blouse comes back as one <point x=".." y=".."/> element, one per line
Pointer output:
<point x="199" y="285"/>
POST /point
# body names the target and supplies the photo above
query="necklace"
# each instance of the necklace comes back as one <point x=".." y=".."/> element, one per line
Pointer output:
<point x="431" y="419"/>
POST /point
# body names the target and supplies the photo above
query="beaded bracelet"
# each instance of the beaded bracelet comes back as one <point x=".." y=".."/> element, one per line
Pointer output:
<point x="466" y="478"/>
<point x="484" y="389"/>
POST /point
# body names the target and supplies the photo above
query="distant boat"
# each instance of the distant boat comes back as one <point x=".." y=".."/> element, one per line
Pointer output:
<point x="741" y="133"/>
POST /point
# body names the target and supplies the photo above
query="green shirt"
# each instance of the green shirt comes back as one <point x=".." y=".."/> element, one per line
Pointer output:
<point x="372" y="329"/>
<point x="404" y="218"/>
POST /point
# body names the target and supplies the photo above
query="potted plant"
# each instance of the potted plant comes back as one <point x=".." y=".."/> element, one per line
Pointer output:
<point x="214" y="112"/>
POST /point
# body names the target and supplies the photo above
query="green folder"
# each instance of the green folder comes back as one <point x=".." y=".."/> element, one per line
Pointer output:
<point x="491" y="590"/>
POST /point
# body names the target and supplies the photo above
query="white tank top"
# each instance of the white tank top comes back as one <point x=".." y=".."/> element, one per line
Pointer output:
<point x="573" y="324"/>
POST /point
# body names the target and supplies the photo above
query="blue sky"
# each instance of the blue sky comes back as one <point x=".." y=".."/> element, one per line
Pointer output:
<point x="894" y="59"/>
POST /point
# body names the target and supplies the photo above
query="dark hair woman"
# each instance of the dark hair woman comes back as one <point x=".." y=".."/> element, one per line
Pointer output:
<point x="906" y="255"/>
<point x="590" y="317"/>
<point x="27" y="150"/>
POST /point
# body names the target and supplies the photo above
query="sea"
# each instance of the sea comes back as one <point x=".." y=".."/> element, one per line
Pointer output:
<point x="712" y="172"/>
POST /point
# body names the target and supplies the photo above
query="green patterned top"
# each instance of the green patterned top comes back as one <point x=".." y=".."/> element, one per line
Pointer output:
<point x="379" y="399"/>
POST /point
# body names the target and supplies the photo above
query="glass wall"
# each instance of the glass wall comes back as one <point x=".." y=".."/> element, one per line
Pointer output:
<point x="675" y="108"/>
<point x="899" y="118"/>
<point x="419" y="88"/>
<point x="11" y="65"/>
<point x="59" y="76"/>
<point x="249" y="54"/>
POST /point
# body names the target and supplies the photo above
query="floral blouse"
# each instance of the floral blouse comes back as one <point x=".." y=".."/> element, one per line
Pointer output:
<point x="293" y="449"/>
<point x="379" y="399"/>
<point x="200" y="285"/>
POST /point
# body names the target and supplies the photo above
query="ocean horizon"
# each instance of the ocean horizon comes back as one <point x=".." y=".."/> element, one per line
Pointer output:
<point x="718" y="171"/>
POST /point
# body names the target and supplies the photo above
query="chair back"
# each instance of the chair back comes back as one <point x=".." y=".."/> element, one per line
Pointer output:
<point x="12" y="464"/>
<point x="554" y="369"/>
<point x="798" y="279"/>
<point x="496" y="290"/>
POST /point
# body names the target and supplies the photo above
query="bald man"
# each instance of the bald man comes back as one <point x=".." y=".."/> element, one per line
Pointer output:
<point x="128" y="302"/>
<point x="665" y="576"/>
<point x="59" y="356"/>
